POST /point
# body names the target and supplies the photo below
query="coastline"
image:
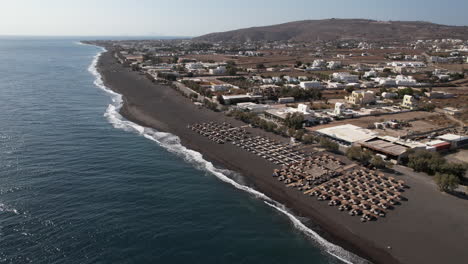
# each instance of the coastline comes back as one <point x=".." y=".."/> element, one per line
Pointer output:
<point x="160" y="116"/>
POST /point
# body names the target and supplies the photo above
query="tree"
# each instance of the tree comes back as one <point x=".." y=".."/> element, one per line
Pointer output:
<point x="299" y="134"/>
<point x="220" y="99"/>
<point x="349" y="89"/>
<point x="455" y="169"/>
<point x="358" y="154"/>
<point x="309" y="139"/>
<point x="446" y="182"/>
<point x="294" y="120"/>
<point x="405" y="91"/>
<point x="427" y="107"/>
<point x="232" y="71"/>
<point x="329" y="145"/>
<point x="378" y="162"/>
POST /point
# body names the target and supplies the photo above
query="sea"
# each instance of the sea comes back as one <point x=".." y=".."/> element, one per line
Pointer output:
<point x="80" y="184"/>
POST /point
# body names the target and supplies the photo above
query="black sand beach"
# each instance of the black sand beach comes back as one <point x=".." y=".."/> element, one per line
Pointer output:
<point x="404" y="236"/>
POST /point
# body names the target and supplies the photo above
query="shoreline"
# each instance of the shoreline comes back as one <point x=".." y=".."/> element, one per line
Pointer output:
<point x="259" y="176"/>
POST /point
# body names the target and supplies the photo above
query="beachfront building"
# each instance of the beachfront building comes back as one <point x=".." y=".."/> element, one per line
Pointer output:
<point x="361" y="98"/>
<point x="409" y="102"/>
<point x="347" y="135"/>
<point x="253" y="107"/>
<point x="281" y="113"/>
<point x="241" y="98"/>
<point x="390" y="147"/>
<point x="456" y="141"/>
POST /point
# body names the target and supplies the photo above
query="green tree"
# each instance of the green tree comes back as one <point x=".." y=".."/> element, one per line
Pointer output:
<point x="358" y="154"/>
<point x="294" y="120"/>
<point x="299" y="134"/>
<point x="329" y="145"/>
<point x="405" y="91"/>
<point x="309" y="139"/>
<point x="446" y="182"/>
<point x="378" y="162"/>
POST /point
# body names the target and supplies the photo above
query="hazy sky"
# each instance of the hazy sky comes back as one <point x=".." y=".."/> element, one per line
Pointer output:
<point x="196" y="17"/>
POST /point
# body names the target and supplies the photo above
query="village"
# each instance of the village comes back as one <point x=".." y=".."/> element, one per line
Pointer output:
<point x="377" y="103"/>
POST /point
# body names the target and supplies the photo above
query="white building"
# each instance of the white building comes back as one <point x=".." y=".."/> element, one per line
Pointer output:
<point x="370" y="74"/>
<point x="345" y="77"/>
<point x="194" y="66"/>
<point x="220" y="70"/>
<point x="402" y="80"/>
<point x="388" y="95"/>
<point x="335" y="85"/>
<point x="347" y="134"/>
<point x="221" y="87"/>
<point x="276" y="79"/>
<point x="311" y="85"/>
<point x="290" y="79"/>
<point x="332" y="65"/>
<point x="253" y="107"/>
<point x="386" y="82"/>
<point x="285" y="100"/>
<point x="319" y="63"/>
<point x="339" y="109"/>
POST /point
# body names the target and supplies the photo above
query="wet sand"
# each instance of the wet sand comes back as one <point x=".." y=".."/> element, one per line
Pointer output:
<point x="164" y="109"/>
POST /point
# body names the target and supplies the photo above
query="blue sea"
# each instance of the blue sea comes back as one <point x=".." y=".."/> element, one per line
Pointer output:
<point x="79" y="184"/>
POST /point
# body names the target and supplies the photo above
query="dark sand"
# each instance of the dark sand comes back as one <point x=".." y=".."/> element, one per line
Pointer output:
<point x="429" y="228"/>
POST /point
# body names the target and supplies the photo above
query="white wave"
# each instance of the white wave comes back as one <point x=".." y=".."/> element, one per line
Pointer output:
<point x="330" y="248"/>
<point x="172" y="143"/>
<point x="6" y="208"/>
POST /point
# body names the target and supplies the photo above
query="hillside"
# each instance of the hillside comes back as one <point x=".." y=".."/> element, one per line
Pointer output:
<point x="336" y="29"/>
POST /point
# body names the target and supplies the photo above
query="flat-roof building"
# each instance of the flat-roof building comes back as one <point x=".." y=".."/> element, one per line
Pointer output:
<point x="347" y="134"/>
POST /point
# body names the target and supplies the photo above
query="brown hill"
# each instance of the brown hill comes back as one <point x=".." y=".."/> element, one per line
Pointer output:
<point x="336" y="29"/>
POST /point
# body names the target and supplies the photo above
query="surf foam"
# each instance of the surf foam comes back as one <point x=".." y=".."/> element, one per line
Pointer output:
<point x="172" y="144"/>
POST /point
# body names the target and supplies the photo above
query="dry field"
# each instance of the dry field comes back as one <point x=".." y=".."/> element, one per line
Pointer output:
<point x="419" y="122"/>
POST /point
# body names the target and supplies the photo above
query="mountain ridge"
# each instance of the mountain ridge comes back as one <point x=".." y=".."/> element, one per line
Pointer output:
<point x="340" y="29"/>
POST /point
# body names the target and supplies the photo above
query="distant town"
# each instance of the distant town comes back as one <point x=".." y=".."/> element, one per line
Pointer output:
<point x="388" y="98"/>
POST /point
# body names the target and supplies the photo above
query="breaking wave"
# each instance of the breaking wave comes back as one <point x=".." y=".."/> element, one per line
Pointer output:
<point x="172" y="144"/>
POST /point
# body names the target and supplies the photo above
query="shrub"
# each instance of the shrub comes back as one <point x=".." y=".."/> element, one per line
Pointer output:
<point x="446" y="182"/>
<point x="329" y="145"/>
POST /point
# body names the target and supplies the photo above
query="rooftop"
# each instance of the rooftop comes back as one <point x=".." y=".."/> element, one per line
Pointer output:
<point x="348" y="133"/>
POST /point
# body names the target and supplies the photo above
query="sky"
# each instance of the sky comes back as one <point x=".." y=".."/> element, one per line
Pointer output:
<point x="197" y="17"/>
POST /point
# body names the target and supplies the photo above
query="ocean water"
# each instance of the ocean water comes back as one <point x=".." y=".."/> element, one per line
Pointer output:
<point x="79" y="184"/>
